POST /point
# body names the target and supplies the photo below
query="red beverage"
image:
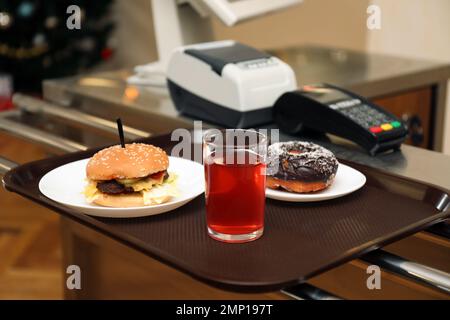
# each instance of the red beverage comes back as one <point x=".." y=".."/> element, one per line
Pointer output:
<point x="235" y="196"/>
<point x="234" y="161"/>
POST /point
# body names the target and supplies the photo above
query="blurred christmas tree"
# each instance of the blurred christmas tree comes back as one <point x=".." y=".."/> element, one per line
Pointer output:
<point x="36" y="44"/>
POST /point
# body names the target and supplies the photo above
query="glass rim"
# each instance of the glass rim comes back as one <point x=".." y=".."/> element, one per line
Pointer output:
<point x="262" y="138"/>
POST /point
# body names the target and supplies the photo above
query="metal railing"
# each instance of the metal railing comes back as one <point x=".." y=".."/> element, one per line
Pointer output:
<point x="306" y="291"/>
<point x="6" y="165"/>
<point x="33" y="105"/>
<point x="417" y="272"/>
<point x="38" y="136"/>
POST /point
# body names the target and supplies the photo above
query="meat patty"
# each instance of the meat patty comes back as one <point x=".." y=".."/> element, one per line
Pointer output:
<point x="113" y="187"/>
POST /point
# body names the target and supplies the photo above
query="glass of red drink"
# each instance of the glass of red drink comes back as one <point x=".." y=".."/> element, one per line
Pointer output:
<point x="235" y="165"/>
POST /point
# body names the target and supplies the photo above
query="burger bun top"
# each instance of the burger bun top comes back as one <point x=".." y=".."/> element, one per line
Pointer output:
<point x="136" y="160"/>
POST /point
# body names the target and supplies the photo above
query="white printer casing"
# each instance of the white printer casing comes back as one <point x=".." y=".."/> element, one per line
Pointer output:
<point x="227" y="83"/>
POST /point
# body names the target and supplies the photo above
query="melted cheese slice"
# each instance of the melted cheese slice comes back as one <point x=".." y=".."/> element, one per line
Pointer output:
<point x="159" y="193"/>
<point x="90" y="191"/>
<point x="154" y="191"/>
<point x="142" y="184"/>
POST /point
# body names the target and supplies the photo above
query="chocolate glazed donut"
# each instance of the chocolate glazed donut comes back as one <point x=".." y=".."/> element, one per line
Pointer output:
<point x="300" y="167"/>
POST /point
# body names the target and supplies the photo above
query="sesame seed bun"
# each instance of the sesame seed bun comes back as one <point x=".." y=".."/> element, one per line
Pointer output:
<point x="136" y="160"/>
<point x="124" y="200"/>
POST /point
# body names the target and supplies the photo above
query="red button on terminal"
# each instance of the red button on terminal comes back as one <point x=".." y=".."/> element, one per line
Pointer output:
<point x="376" y="129"/>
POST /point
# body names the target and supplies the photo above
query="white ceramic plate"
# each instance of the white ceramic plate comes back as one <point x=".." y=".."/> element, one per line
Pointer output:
<point x="65" y="185"/>
<point x="347" y="180"/>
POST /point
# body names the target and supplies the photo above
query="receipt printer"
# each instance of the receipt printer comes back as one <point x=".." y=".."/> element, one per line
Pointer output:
<point x="227" y="83"/>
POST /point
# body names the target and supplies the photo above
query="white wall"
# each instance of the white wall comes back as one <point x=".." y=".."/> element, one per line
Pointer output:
<point x="322" y="22"/>
<point x="334" y="23"/>
<point x="134" y="33"/>
<point x="415" y="28"/>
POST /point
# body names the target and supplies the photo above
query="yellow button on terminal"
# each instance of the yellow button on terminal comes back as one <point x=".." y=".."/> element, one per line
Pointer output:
<point x="386" y="126"/>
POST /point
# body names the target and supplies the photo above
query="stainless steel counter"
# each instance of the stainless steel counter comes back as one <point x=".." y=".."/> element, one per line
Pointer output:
<point x="107" y="95"/>
<point x="370" y="75"/>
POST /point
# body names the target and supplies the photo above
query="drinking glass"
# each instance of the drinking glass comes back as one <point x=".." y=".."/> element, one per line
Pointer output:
<point x="235" y="166"/>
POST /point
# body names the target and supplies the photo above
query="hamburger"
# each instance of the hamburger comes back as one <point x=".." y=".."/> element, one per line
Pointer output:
<point x="133" y="176"/>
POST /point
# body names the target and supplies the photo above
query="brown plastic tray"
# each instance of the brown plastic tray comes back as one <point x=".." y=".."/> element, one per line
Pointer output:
<point x="300" y="239"/>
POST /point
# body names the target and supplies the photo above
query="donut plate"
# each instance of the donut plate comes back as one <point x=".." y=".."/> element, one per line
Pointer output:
<point x="347" y="180"/>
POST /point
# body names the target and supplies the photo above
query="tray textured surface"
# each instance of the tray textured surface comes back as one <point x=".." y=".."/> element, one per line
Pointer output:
<point x="300" y="239"/>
